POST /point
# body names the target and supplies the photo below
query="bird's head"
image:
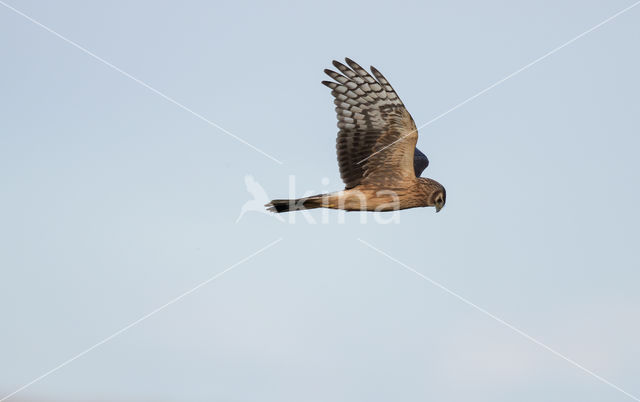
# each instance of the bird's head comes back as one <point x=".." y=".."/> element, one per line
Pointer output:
<point x="440" y="198"/>
<point x="436" y="195"/>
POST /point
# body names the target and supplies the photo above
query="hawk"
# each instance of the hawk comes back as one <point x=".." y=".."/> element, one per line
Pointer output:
<point x="377" y="155"/>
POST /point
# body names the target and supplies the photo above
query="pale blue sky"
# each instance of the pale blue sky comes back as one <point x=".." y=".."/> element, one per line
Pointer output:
<point x="114" y="201"/>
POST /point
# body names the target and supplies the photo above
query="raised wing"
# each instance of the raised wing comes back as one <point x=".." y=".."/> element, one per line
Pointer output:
<point x="377" y="134"/>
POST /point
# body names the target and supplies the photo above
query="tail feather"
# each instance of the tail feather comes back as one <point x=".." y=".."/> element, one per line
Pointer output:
<point x="297" y="204"/>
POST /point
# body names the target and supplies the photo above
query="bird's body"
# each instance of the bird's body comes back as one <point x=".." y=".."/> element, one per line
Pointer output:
<point x="376" y="145"/>
<point x="419" y="192"/>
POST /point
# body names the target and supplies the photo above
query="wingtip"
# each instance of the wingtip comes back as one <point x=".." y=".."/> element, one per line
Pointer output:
<point x="334" y="75"/>
<point x="329" y="84"/>
<point x="354" y="66"/>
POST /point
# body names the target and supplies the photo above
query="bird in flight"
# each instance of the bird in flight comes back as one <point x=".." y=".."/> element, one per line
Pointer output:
<point x="377" y="155"/>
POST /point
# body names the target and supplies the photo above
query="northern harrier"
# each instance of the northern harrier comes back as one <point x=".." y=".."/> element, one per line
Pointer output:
<point x="377" y="155"/>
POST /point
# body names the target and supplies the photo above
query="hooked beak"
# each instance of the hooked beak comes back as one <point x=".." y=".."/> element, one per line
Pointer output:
<point x="438" y="208"/>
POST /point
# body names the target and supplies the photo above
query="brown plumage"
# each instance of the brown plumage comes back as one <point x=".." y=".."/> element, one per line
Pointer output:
<point x="376" y="149"/>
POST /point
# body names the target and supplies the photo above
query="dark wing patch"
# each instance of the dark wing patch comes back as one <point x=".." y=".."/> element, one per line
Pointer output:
<point x="371" y="117"/>
<point x="420" y="162"/>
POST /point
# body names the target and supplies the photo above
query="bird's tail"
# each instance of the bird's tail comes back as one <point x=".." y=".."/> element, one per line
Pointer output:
<point x="297" y="204"/>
